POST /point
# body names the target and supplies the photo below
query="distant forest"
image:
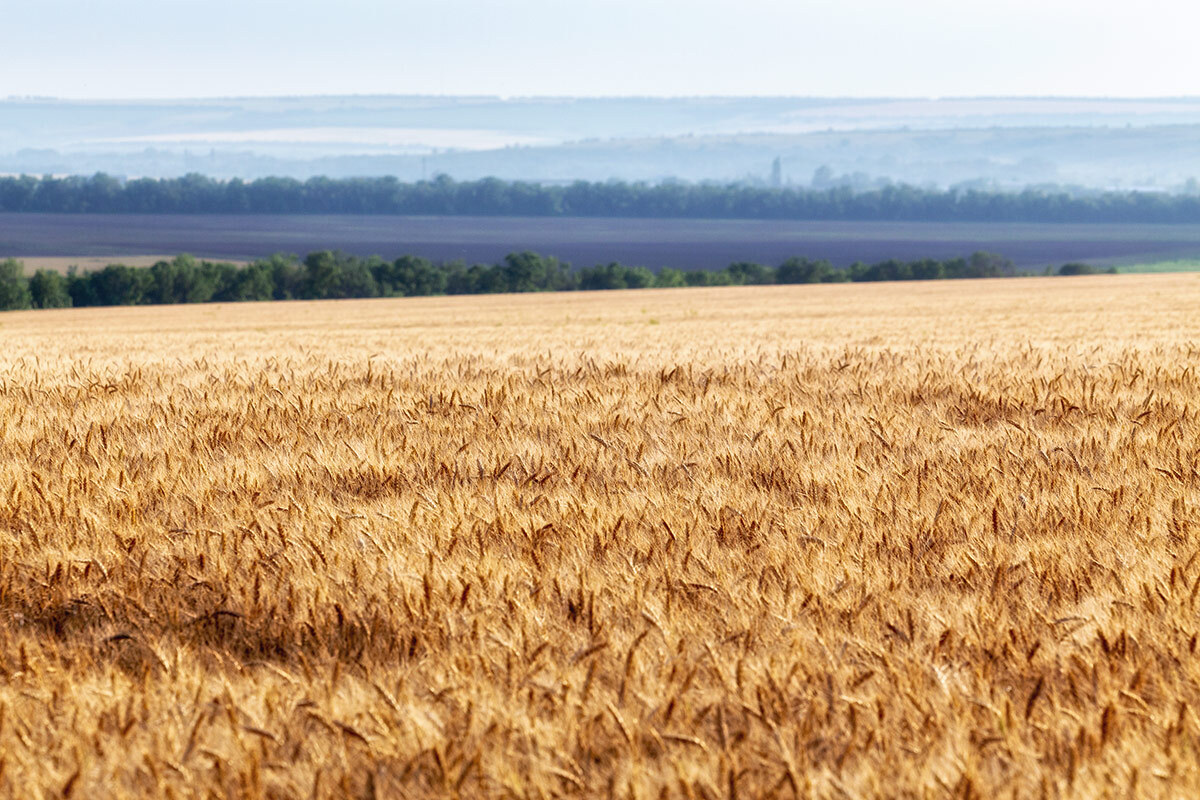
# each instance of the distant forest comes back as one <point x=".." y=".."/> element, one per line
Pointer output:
<point x="326" y="275"/>
<point x="197" y="194"/>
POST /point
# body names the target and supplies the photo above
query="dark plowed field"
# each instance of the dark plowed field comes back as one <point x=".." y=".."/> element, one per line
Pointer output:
<point x="584" y="241"/>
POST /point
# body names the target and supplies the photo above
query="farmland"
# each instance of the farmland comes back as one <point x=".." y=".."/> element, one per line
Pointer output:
<point x="873" y="540"/>
<point x="678" y="243"/>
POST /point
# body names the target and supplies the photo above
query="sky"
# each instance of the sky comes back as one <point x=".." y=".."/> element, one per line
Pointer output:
<point x="95" y="49"/>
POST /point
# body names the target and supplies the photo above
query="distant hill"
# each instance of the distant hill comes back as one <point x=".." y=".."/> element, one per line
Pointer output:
<point x="1004" y="142"/>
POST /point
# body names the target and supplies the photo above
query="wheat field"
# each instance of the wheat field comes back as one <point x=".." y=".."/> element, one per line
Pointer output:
<point x="920" y="540"/>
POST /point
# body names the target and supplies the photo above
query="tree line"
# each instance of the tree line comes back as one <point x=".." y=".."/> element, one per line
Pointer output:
<point x="332" y="275"/>
<point x="197" y="194"/>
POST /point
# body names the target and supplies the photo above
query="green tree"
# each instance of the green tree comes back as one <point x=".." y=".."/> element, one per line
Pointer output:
<point x="669" y="278"/>
<point x="705" y="277"/>
<point x="182" y="280"/>
<point x="48" y="289"/>
<point x="603" y="276"/>
<point x="252" y="282"/>
<point x="214" y="282"/>
<point x="529" y="272"/>
<point x="1076" y="268"/>
<point x="119" y="285"/>
<point x="355" y="279"/>
<point x="411" y="276"/>
<point x="638" y="278"/>
<point x="747" y="272"/>
<point x="982" y="264"/>
<point x="287" y="275"/>
<point x="14" y="287"/>
<point x="321" y="275"/>
<point x="928" y="269"/>
<point x="802" y="270"/>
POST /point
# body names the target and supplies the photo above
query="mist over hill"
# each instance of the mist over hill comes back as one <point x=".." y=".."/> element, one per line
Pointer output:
<point x="1005" y="143"/>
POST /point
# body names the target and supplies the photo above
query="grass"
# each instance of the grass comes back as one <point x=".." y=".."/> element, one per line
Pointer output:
<point x="924" y="539"/>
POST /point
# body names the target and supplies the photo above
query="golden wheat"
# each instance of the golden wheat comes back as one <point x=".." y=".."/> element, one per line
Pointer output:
<point x="869" y="541"/>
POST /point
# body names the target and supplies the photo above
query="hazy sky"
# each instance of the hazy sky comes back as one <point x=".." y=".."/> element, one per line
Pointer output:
<point x="175" y="48"/>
